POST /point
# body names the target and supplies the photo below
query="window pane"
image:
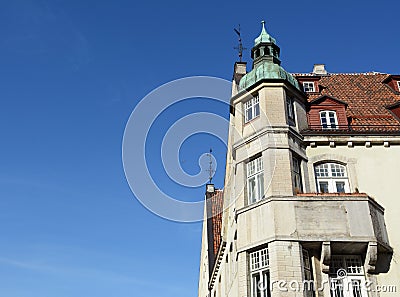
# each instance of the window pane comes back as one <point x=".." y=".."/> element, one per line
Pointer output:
<point x="323" y="120"/>
<point x="322" y="170"/>
<point x="323" y="187"/>
<point x="249" y="114"/>
<point x="251" y="166"/>
<point x="252" y="189"/>
<point x="260" y="182"/>
<point x="266" y="284"/>
<point x="264" y="257"/>
<point x="340" y="187"/>
<point x="356" y="284"/>
<point x="256" y="110"/>
<point x="337" y="287"/>
<point x="255" y="282"/>
<point x="338" y="170"/>
<point x="354" y="265"/>
<point x="259" y="163"/>
<point x="306" y="259"/>
<point x="332" y="119"/>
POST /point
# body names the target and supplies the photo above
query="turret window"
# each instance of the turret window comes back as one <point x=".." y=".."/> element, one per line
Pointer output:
<point x="331" y="178"/>
<point x="255" y="180"/>
<point x="298" y="188"/>
<point x="290" y="108"/>
<point x="259" y="270"/>
<point x="252" y="109"/>
<point x="308" y="277"/>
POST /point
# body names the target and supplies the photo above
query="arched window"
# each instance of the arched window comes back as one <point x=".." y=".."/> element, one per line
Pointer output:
<point x="331" y="178"/>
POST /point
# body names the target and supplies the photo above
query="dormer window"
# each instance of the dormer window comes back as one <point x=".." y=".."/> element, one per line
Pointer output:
<point x="252" y="109"/>
<point x="308" y="86"/>
<point x="328" y="119"/>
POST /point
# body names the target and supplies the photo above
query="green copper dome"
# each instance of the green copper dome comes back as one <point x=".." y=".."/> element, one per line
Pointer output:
<point x="266" y="64"/>
<point x="266" y="71"/>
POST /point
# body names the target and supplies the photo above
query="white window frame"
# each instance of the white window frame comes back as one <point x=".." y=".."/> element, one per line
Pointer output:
<point x="255" y="180"/>
<point x="259" y="273"/>
<point x="345" y="271"/>
<point x="309" y="86"/>
<point x="328" y="119"/>
<point x="331" y="175"/>
<point x="398" y="85"/>
<point x="251" y="109"/>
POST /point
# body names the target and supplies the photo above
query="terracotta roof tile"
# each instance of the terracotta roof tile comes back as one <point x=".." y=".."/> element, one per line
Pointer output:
<point x="366" y="94"/>
<point x="214" y="223"/>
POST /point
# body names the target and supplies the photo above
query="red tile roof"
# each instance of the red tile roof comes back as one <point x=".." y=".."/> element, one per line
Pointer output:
<point x="214" y="223"/>
<point x="366" y="94"/>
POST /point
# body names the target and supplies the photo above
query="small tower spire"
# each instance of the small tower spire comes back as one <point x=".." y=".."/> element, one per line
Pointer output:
<point x="264" y="36"/>
<point x="210" y="170"/>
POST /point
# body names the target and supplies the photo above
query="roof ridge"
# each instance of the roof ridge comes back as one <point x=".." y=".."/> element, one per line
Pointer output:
<point x="341" y="73"/>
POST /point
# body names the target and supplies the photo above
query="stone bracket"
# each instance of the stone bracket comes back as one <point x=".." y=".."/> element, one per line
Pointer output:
<point x="371" y="257"/>
<point x="325" y="256"/>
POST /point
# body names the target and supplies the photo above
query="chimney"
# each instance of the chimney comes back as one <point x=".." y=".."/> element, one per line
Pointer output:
<point x="319" y="69"/>
<point x="238" y="72"/>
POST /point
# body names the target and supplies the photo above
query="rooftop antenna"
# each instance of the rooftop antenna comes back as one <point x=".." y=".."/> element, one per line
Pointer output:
<point x="210" y="170"/>
<point x="240" y="47"/>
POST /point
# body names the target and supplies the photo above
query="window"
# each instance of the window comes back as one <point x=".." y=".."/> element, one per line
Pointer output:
<point x="297" y="175"/>
<point x="331" y="178"/>
<point x="259" y="273"/>
<point x="398" y="85"/>
<point x="255" y="180"/>
<point x="328" y="119"/>
<point x="308" y="87"/>
<point x="252" y="109"/>
<point x="308" y="285"/>
<point x="290" y="108"/>
<point x="346" y="276"/>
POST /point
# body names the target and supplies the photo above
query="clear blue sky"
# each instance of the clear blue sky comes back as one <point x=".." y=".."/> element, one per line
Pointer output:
<point x="72" y="72"/>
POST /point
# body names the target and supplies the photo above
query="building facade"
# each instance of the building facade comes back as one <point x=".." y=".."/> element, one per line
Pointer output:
<point x="310" y="205"/>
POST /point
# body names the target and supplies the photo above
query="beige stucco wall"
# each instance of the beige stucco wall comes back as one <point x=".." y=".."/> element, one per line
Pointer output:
<point x="376" y="171"/>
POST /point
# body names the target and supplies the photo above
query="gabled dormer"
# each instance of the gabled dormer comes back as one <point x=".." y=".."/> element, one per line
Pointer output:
<point x="393" y="82"/>
<point x="310" y="82"/>
<point x="326" y="112"/>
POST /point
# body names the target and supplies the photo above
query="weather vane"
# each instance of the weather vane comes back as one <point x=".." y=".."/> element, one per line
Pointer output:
<point x="210" y="170"/>
<point x="240" y="47"/>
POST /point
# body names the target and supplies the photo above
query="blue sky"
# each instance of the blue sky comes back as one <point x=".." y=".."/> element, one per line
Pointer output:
<point x="72" y="72"/>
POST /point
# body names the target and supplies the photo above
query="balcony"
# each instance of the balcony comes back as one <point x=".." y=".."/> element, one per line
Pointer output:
<point x="352" y="220"/>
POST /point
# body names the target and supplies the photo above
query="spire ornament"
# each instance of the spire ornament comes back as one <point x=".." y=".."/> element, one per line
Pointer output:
<point x="264" y="36"/>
